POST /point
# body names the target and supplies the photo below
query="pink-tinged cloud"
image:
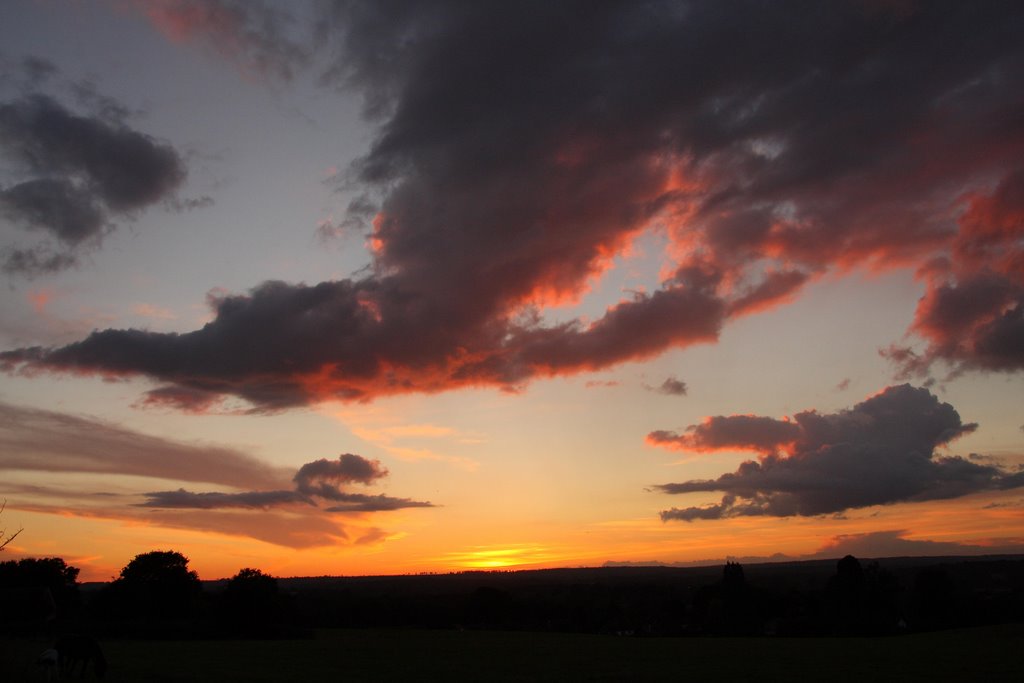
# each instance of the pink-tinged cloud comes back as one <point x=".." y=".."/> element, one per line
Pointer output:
<point x="972" y="315"/>
<point x="773" y="146"/>
<point x="894" y="543"/>
<point x="252" y="34"/>
<point x="40" y="298"/>
<point x="730" y="432"/>
<point x="881" y="451"/>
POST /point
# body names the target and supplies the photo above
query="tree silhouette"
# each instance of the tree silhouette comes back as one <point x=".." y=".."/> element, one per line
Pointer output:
<point x="845" y="593"/>
<point x="35" y="592"/>
<point x="51" y="573"/>
<point x="251" y="601"/>
<point x="155" y="584"/>
<point x="4" y="538"/>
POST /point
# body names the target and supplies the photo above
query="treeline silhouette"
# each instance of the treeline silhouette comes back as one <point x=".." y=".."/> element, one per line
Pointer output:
<point x="156" y="595"/>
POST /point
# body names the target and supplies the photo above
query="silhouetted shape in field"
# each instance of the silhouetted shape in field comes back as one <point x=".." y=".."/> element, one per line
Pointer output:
<point x="862" y="601"/>
<point x="845" y="593"/>
<point x="728" y="607"/>
<point x="48" y="662"/>
<point x="156" y="584"/>
<point x="251" y="601"/>
<point x="36" y="592"/>
<point x="75" y="653"/>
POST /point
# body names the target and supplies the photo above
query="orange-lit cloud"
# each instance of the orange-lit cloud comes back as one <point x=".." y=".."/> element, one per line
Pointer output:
<point x="972" y="315"/>
<point x="762" y="181"/>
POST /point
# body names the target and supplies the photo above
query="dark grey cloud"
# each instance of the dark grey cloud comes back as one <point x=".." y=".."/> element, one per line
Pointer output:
<point x="879" y="452"/>
<point x="518" y="144"/>
<point x="323" y="479"/>
<point x="79" y="171"/>
<point x="361" y="502"/>
<point x="123" y="168"/>
<point x="35" y="260"/>
<point x="216" y="500"/>
<point x="323" y="475"/>
<point x="185" y="399"/>
<point x="742" y="432"/>
<point x="56" y="205"/>
<point x="37" y="69"/>
<point x="670" y="387"/>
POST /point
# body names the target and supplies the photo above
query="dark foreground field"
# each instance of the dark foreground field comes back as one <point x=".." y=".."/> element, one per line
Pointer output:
<point x="980" y="654"/>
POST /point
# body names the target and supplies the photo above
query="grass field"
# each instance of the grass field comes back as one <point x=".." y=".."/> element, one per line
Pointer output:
<point x="982" y="654"/>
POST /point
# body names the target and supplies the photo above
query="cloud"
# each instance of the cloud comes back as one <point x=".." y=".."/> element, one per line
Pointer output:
<point x="39" y="440"/>
<point x="972" y="315"/>
<point x="45" y="442"/>
<point x="78" y="171"/>
<point x="35" y="260"/>
<point x="513" y="158"/>
<point x="879" y="452"/>
<point x="874" y="544"/>
<point x="322" y="479"/>
<point x="57" y="205"/>
<point x="216" y="500"/>
<point x="895" y="544"/>
<point x="185" y="399"/>
<point x="286" y="528"/>
<point x="670" y="387"/>
<point x="253" y="35"/>
<point x="738" y="432"/>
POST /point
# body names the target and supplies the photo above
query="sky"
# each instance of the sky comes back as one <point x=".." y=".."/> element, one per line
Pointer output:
<point x="330" y="288"/>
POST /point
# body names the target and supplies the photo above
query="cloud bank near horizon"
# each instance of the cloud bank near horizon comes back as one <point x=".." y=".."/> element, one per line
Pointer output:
<point x="520" y="147"/>
<point x="872" y="544"/>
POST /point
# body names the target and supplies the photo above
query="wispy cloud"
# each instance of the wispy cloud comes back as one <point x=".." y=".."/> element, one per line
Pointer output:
<point x="277" y="505"/>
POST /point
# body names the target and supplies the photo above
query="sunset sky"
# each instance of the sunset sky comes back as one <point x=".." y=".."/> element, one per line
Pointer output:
<point x="385" y="287"/>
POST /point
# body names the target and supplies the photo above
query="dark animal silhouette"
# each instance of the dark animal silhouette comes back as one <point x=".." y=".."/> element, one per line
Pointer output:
<point x="74" y="653"/>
